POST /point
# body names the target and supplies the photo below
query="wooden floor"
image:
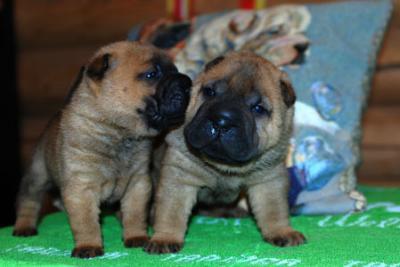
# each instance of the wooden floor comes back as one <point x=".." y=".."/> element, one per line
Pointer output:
<point x="56" y="37"/>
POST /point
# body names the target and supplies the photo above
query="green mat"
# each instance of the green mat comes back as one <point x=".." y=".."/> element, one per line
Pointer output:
<point x="364" y="239"/>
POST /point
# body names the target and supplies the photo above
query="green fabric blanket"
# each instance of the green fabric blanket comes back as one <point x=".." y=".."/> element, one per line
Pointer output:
<point x="370" y="239"/>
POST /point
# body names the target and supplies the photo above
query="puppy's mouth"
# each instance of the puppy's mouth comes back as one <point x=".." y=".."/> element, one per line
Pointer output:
<point x="216" y="151"/>
<point x="152" y="116"/>
<point x="225" y="141"/>
<point x="155" y="119"/>
<point x="166" y="109"/>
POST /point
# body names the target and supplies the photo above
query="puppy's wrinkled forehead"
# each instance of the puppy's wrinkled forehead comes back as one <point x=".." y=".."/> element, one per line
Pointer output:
<point x="153" y="58"/>
<point x="243" y="79"/>
<point x="247" y="75"/>
<point x="241" y="76"/>
<point x="162" y="61"/>
<point x="135" y="56"/>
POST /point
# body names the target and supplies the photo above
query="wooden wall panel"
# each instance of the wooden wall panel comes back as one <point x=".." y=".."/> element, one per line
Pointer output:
<point x="379" y="165"/>
<point x="45" y="76"/>
<point x="385" y="87"/>
<point x="381" y="127"/>
<point x="390" y="48"/>
<point x="49" y="23"/>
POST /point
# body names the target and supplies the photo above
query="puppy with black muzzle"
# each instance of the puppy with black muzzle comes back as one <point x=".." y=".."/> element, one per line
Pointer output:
<point x="235" y="138"/>
<point x="97" y="148"/>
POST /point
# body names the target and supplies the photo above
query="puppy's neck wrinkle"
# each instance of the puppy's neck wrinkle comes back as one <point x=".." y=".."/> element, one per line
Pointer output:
<point x="81" y="90"/>
<point x="91" y="123"/>
<point x="75" y="85"/>
<point x="273" y="156"/>
<point x="104" y="139"/>
<point x="267" y="160"/>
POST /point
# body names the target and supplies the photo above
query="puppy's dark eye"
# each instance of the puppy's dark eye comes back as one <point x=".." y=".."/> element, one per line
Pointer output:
<point x="152" y="74"/>
<point x="259" y="110"/>
<point x="209" y="91"/>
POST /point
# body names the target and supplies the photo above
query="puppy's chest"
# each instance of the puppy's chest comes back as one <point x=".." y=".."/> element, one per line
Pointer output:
<point x="128" y="156"/>
<point x="129" y="159"/>
<point x="224" y="190"/>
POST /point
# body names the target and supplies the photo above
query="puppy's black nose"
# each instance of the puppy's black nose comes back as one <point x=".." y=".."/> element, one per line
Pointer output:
<point x="223" y="118"/>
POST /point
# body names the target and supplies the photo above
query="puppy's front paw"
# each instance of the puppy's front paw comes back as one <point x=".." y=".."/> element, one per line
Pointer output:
<point x="25" y="232"/>
<point x="135" y="242"/>
<point x="286" y="238"/>
<point x="162" y="247"/>
<point x="87" y="252"/>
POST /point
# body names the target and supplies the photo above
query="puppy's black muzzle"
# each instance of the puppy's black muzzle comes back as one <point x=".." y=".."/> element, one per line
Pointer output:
<point x="167" y="107"/>
<point x="223" y="131"/>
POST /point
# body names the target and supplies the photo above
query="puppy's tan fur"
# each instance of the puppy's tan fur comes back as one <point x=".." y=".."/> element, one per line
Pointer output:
<point x="96" y="150"/>
<point x="187" y="178"/>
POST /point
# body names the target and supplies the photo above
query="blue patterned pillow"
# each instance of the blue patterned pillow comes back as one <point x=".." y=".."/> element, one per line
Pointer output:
<point x="329" y="52"/>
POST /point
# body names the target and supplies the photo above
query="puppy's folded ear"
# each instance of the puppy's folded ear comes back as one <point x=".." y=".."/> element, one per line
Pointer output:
<point x="288" y="94"/>
<point x="98" y="67"/>
<point x="213" y="63"/>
